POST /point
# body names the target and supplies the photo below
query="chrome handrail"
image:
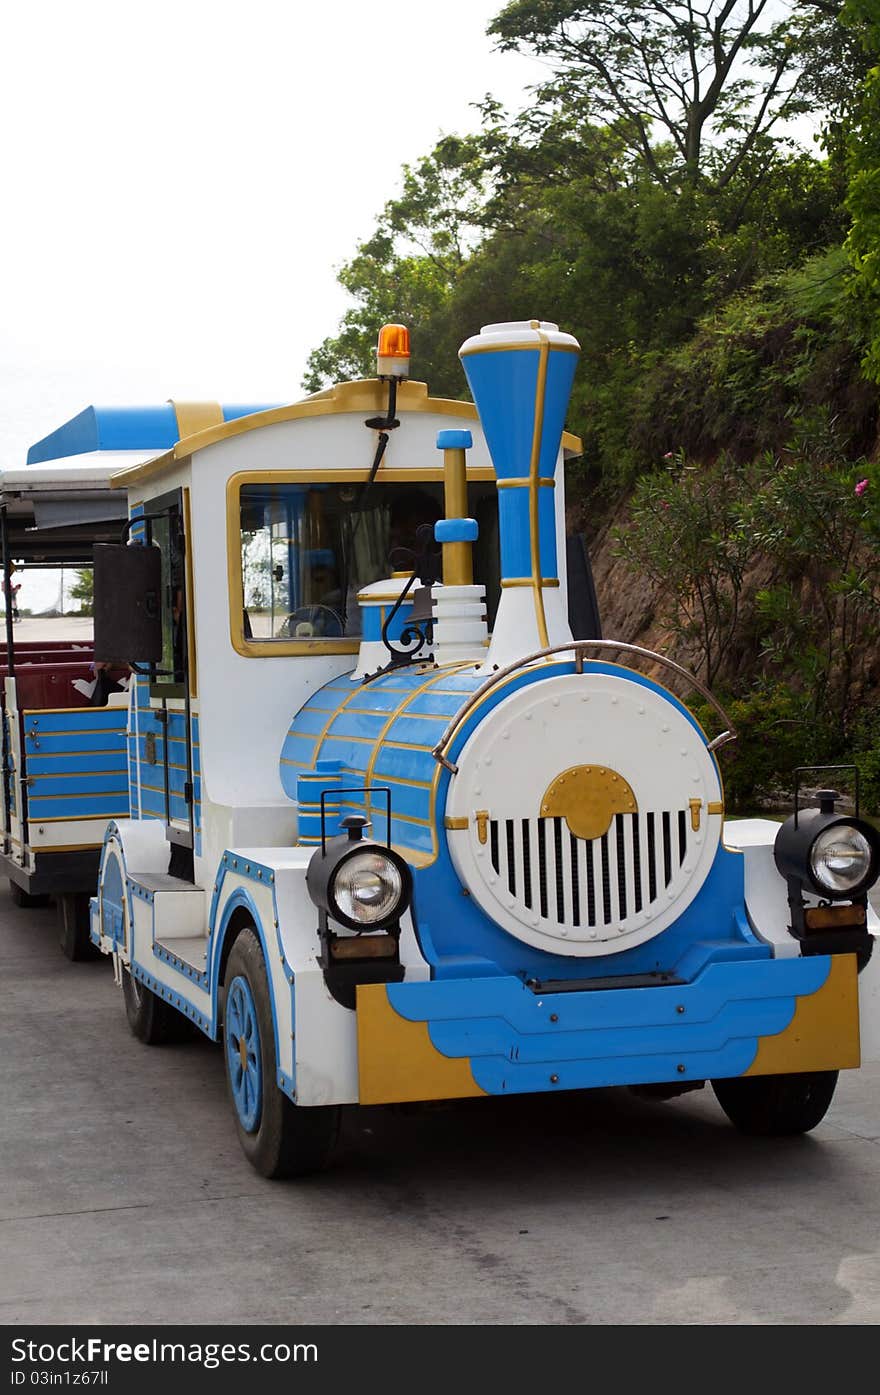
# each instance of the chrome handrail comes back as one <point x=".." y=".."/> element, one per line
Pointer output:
<point x="579" y="647"/>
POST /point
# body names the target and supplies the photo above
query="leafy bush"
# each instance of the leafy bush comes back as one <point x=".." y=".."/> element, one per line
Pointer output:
<point x="776" y="732"/>
<point x="784" y="349"/>
<point x="866" y="755"/>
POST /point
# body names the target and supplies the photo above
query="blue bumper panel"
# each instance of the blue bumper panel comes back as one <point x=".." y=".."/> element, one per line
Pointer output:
<point x="760" y="1016"/>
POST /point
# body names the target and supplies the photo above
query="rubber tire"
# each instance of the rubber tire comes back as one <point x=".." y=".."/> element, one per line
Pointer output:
<point x="290" y="1140"/>
<point x="72" y="908"/>
<point x="775" y="1105"/>
<point x="153" y="1021"/>
<point x="23" y="898"/>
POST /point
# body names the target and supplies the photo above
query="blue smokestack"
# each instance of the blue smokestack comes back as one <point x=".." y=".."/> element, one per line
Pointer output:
<point x="520" y="375"/>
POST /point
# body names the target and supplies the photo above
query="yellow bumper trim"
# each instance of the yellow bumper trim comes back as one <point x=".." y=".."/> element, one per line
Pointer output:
<point x="823" y="1033"/>
<point x="397" y="1061"/>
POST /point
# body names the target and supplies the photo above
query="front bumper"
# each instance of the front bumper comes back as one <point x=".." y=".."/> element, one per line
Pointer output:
<point x="447" y="1039"/>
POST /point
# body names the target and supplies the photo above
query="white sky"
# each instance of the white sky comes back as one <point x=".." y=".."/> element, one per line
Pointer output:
<point x="182" y="177"/>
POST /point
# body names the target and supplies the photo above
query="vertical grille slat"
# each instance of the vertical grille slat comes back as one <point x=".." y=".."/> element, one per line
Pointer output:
<point x="511" y="856"/>
<point x="638" y="863"/>
<point x="574" y="866"/>
<point x="620" y="840"/>
<point x="652" y="859"/>
<point x="542" y="866"/>
<point x="534" y="861"/>
<point x="583" y="857"/>
<point x="527" y="862"/>
<point x="493" y="845"/>
<point x="667" y="849"/>
<point x="605" y="879"/>
<point x="590" y="862"/>
<point x="682" y="836"/>
<point x="560" y="870"/>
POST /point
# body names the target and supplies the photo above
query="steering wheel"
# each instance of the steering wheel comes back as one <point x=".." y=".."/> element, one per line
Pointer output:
<point x="312" y="622"/>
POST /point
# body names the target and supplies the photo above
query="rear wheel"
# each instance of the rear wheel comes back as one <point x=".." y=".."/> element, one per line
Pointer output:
<point x="73" y="926"/>
<point x="279" y="1138"/>
<point x="153" y="1021"/>
<point x="772" y="1105"/>
<point x="24" y="898"/>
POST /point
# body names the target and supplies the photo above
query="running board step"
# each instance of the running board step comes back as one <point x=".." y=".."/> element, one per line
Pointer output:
<point x="178" y="906"/>
<point x="191" y="953"/>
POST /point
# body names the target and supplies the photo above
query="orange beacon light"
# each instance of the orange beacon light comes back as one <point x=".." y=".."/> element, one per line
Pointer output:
<point x="392" y="354"/>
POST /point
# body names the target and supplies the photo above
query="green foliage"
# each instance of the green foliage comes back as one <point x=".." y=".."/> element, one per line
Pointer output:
<point x="809" y="519"/>
<point x="699" y="257"/>
<point x="863" y="202"/>
<point x="406" y="271"/>
<point x="584" y="206"/>
<point x="776" y="732"/>
<point x="785" y="349"/>
<point x="866" y="755"/>
<point x="692" y="93"/>
<point x="689" y="534"/>
<point x="83" y="591"/>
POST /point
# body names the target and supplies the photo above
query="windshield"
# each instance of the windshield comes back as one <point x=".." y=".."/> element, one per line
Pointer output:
<point x="308" y="549"/>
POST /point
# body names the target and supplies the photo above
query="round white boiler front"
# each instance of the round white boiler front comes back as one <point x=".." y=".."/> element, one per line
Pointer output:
<point x="585" y="814"/>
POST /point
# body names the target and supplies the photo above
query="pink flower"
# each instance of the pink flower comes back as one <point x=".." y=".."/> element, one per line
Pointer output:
<point x="664" y="504"/>
<point x="860" y="488"/>
<point x="668" y="455"/>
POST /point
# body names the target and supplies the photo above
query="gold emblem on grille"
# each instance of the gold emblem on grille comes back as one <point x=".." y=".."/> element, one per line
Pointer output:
<point x="588" y="797"/>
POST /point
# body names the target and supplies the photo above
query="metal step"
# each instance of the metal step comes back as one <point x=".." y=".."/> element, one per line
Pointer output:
<point x="191" y="950"/>
<point x="161" y="881"/>
<point x="178" y="907"/>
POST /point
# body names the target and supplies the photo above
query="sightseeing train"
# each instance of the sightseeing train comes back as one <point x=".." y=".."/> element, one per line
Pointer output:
<point x="394" y="833"/>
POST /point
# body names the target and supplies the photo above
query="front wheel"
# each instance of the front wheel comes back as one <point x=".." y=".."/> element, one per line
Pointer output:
<point x="153" y="1021"/>
<point x="279" y="1138"/>
<point x="73" y="926"/>
<point x="774" y="1105"/>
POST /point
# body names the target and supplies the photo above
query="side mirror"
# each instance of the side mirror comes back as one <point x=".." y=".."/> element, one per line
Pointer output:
<point x="128" y="604"/>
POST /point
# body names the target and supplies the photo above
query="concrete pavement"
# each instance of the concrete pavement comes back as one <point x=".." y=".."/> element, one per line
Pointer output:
<point x="124" y="1196"/>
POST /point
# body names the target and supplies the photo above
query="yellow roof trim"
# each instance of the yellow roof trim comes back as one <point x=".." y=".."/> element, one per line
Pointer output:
<point x="364" y="395"/>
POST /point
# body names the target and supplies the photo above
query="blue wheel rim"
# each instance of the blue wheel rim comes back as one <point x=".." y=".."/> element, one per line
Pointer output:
<point x="243" y="1054"/>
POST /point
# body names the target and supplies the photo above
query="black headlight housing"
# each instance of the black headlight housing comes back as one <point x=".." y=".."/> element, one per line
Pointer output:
<point x="365" y="887"/>
<point x="835" y="857"/>
<point x="357" y="882"/>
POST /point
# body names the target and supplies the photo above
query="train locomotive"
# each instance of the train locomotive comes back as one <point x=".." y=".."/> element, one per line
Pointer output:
<point x="417" y="842"/>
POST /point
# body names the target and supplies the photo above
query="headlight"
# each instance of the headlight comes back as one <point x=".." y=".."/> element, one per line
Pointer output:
<point x="367" y="888"/>
<point x="358" y="883"/>
<point x="829" y="855"/>
<point x="840" y="859"/>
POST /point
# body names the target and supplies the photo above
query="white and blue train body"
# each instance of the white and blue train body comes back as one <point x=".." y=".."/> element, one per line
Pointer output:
<point x="396" y="838"/>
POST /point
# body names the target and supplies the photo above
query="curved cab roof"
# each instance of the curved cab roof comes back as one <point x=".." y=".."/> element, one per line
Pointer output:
<point x="367" y="395"/>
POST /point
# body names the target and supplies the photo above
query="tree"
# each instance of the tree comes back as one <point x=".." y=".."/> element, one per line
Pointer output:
<point x="688" y="535"/>
<point x="83" y="591"/>
<point x="863" y="201"/>
<point x="407" y="269"/>
<point x="815" y="517"/>
<point x="694" y="90"/>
